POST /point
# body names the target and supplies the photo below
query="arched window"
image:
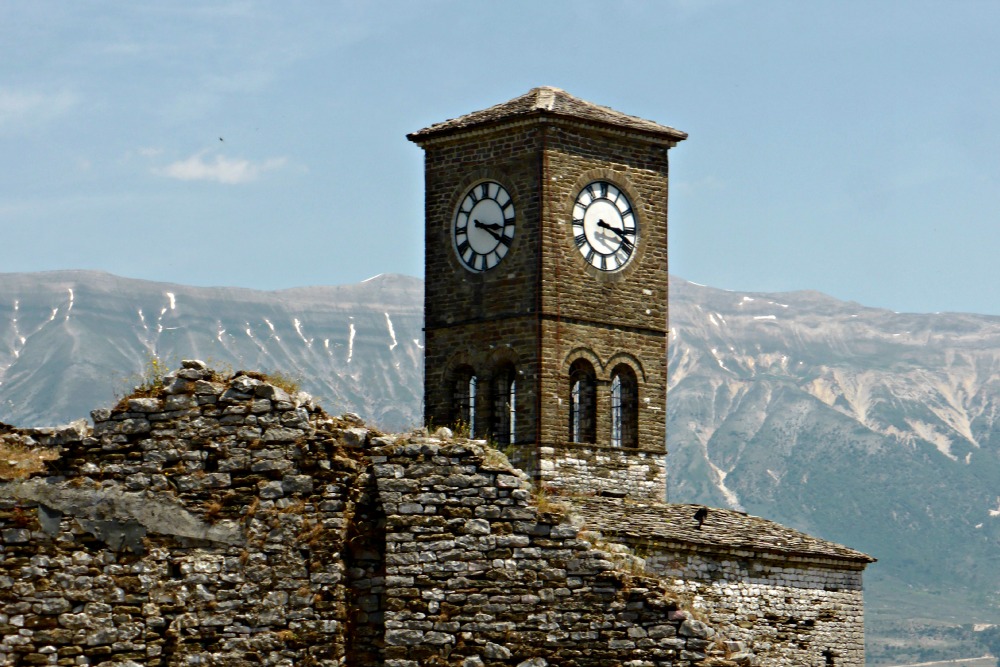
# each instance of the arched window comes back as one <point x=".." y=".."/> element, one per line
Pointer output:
<point x="624" y="407"/>
<point x="504" y="424"/>
<point x="464" y="399"/>
<point x="582" y="402"/>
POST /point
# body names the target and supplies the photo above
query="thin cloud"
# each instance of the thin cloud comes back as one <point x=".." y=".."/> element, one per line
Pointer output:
<point x="18" y="106"/>
<point x="220" y="170"/>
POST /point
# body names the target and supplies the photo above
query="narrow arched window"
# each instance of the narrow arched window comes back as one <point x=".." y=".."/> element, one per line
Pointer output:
<point x="504" y="422"/>
<point x="582" y="402"/>
<point x="464" y="399"/>
<point x="624" y="407"/>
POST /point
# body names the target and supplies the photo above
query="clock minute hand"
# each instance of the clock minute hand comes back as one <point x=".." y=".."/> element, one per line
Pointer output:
<point x="604" y="225"/>
<point x="490" y="228"/>
<point x="491" y="225"/>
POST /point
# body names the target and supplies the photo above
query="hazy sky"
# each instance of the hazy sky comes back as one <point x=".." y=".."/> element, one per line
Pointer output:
<point x="846" y="147"/>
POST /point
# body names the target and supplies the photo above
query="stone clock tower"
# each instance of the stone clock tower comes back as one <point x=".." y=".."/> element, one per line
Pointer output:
<point x="546" y="288"/>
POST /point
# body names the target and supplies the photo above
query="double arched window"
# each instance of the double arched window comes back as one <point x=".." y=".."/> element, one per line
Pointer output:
<point x="582" y="402"/>
<point x="496" y="397"/>
<point x="583" y="405"/>
<point x="624" y="407"/>
<point x="504" y="417"/>
<point x="464" y="398"/>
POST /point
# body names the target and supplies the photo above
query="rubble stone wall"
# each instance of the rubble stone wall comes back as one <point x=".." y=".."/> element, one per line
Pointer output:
<point x="226" y="522"/>
<point x="201" y="526"/>
<point x="477" y="574"/>
<point x="214" y="521"/>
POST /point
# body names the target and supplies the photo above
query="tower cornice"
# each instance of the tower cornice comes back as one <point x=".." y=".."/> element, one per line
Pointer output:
<point x="547" y="104"/>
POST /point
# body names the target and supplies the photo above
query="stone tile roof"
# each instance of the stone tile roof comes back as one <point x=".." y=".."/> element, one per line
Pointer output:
<point x="722" y="528"/>
<point x="551" y="102"/>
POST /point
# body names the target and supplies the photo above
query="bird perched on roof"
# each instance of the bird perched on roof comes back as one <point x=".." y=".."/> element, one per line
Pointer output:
<point x="700" y="516"/>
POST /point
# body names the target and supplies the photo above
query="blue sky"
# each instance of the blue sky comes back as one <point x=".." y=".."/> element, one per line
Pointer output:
<point x="846" y="147"/>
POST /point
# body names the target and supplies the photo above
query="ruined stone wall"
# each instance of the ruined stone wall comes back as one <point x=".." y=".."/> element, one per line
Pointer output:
<point x="476" y="574"/>
<point x="786" y="612"/>
<point x="200" y="526"/>
<point x="214" y="521"/>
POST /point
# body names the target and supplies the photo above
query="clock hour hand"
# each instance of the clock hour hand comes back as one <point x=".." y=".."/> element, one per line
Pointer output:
<point x="491" y="228"/>
<point x="619" y="232"/>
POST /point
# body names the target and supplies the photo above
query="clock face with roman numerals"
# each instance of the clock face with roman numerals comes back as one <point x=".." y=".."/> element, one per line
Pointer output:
<point x="484" y="226"/>
<point x="605" y="227"/>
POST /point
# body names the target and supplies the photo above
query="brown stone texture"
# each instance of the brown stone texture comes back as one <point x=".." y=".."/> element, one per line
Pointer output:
<point x="543" y="306"/>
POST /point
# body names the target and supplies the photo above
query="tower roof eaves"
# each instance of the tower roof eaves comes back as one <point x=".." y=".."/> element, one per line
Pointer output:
<point x="547" y="101"/>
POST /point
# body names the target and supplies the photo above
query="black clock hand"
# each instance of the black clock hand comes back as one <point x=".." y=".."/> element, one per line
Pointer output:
<point x="619" y="232"/>
<point x="490" y="228"/>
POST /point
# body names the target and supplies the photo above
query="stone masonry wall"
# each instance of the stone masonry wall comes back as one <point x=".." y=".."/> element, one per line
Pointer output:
<point x="617" y="317"/>
<point x="590" y="469"/>
<point x="543" y="303"/>
<point x="468" y="316"/>
<point x="211" y="521"/>
<point x="477" y="575"/>
<point x="200" y="526"/>
<point x="787" y="612"/>
<point x="216" y="521"/>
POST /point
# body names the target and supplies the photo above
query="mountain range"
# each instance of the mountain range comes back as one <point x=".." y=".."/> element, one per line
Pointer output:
<point x="71" y="340"/>
<point x="875" y="429"/>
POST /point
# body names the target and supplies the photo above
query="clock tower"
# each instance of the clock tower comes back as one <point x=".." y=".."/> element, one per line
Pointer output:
<point x="545" y="298"/>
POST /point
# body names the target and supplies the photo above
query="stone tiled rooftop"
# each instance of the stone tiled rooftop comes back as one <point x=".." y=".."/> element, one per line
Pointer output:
<point x="622" y="519"/>
<point x="552" y="102"/>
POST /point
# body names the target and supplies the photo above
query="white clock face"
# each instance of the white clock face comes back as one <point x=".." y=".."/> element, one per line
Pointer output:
<point x="484" y="226"/>
<point x="605" y="228"/>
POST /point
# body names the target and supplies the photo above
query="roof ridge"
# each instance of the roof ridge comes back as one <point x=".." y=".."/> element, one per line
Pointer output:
<point x="545" y="97"/>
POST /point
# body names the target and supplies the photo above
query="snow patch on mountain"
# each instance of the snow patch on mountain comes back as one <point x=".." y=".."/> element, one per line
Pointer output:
<point x="350" y="341"/>
<point x="392" y="332"/>
<point x="298" y="329"/>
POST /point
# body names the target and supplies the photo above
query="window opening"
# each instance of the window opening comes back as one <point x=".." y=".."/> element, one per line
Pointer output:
<point x="624" y="408"/>
<point x="470" y="412"/>
<point x="616" y="411"/>
<point x="512" y="403"/>
<point x="504" y="406"/>
<point x="464" y="399"/>
<point x="582" y="402"/>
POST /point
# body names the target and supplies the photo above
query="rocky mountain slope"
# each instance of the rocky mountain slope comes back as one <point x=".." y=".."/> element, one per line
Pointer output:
<point x="69" y="340"/>
<point x="877" y="429"/>
<point x="871" y="428"/>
